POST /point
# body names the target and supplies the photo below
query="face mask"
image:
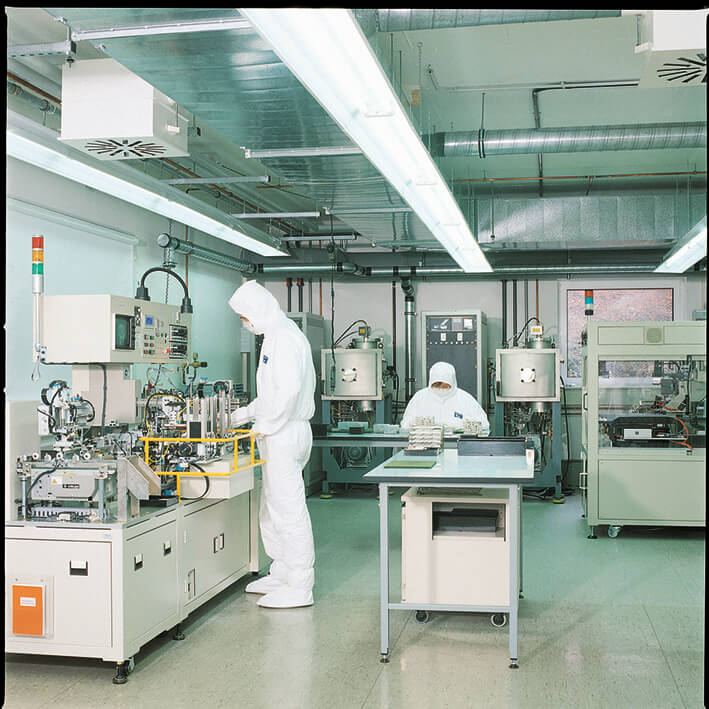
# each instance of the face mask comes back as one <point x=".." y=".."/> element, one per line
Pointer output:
<point x="441" y="393"/>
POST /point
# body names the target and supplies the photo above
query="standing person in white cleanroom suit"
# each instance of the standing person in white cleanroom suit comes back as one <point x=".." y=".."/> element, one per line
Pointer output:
<point x="285" y="382"/>
<point x="444" y="401"/>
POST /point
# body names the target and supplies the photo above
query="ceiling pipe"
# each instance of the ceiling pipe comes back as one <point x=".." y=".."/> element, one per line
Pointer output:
<point x="524" y="141"/>
<point x="205" y="254"/>
<point x="409" y="347"/>
<point x="345" y="267"/>
<point x="433" y="271"/>
<point x="42" y="104"/>
<point x="397" y="20"/>
<point x="295" y="268"/>
<point x="685" y="173"/>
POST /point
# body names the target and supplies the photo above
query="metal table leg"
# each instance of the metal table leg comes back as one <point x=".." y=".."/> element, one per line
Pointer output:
<point x="384" y="569"/>
<point x="515" y="504"/>
<point x="521" y="547"/>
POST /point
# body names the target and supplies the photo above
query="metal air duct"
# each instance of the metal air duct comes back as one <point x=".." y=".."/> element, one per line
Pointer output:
<point x="523" y="141"/>
<point x="400" y="20"/>
<point x="201" y="252"/>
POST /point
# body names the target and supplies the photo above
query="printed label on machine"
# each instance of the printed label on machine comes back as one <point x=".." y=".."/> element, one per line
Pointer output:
<point x="25" y="601"/>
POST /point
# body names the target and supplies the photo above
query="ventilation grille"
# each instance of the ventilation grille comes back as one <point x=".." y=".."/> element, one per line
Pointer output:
<point x="689" y="69"/>
<point x="111" y="148"/>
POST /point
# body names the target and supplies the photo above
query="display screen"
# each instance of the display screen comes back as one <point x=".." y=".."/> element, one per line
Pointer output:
<point x="148" y="321"/>
<point x="123" y="335"/>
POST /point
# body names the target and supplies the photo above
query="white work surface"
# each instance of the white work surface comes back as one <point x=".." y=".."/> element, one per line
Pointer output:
<point x="451" y="470"/>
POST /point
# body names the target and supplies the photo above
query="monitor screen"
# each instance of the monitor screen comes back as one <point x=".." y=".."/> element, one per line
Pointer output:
<point x="123" y="334"/>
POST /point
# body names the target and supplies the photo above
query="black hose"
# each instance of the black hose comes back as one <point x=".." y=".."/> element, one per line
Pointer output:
<point x="93" y="410"/>
<point x="206" y="480"/>
<point x="50" y="417"/>
<point x="517" y="335"/>
<point x="40" y="476"/>
<point x="346" y="332"/>
<point x="164" y="270"/>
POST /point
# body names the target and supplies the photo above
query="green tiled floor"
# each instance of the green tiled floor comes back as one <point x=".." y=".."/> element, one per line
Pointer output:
<point x="604" y="623"/>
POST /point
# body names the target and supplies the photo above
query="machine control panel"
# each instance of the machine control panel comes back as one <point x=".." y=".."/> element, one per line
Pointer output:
<point x="459" y="338"/>
<point x="83" y="329"/>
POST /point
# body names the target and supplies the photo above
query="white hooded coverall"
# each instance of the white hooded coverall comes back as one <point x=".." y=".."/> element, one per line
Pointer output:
<point x="448" y="407"/>
<point x="285" y="382"/>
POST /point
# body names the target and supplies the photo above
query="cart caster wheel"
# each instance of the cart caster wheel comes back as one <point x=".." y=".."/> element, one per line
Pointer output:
<point x="421" y="617"/>
<point x="121" y="673"/>
<point x="178" y="634"/>
<point x="514" y="665"/>
<point x="521" y="595"/>
<point x="384" y="659"/>
<point x="613" y="531"/>
<point x="558" y="500"/>
<point x="591" y="536"/>
<point x="131" y="665"/>
<point x="498" y="620"/>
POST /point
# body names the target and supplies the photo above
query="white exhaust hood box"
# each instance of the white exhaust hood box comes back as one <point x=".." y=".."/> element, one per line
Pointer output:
<point x="111" y="113"/>
<point x="674" y="42"/>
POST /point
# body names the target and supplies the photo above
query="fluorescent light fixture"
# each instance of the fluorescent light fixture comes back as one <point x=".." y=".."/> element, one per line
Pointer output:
<point x="34" y="144"/>
<point x="328" y="53"/>
<point x="692" y="247"/>
<point x="276" y="215"/>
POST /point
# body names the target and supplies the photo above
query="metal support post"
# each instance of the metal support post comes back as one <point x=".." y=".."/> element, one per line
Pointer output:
<point x="515" y="503"/>
<point x="101" y="499"/>
<point x="384" y="569"/>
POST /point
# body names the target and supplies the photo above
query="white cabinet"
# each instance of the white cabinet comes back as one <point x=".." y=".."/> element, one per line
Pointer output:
<point x="107" y="589"/>
<point x="213" y="548"/>
<point x="77" y="579"/>
<point x="150" y="562"/>
<point x="455" y="547"/>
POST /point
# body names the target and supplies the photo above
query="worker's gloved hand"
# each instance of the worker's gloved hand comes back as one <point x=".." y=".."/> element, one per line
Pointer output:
<point x="240" y="417"/>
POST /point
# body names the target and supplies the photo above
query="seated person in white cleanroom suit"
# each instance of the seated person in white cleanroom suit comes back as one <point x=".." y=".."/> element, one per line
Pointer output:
<point x="442" y="400"/>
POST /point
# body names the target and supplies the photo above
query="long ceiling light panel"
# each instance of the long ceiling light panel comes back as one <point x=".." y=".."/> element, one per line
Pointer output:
<point x="328" y="53"/>
<point x="692" y="247"/>
<point x="34" y="144"/>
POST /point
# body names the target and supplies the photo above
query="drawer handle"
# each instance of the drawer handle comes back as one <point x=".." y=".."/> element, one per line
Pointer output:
<point x="137" y="562"/>
<point x="78" y="570"/>
<point x="166" y="548"/>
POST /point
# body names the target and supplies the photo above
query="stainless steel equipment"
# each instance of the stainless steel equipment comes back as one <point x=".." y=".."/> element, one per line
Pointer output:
<point x="528" y="393"/>
<point x="356" y="386"/>
<point x="355" y="373"/>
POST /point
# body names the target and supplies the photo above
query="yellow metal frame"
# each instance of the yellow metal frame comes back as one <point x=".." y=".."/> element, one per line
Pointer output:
<point x="241" y="433"/>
